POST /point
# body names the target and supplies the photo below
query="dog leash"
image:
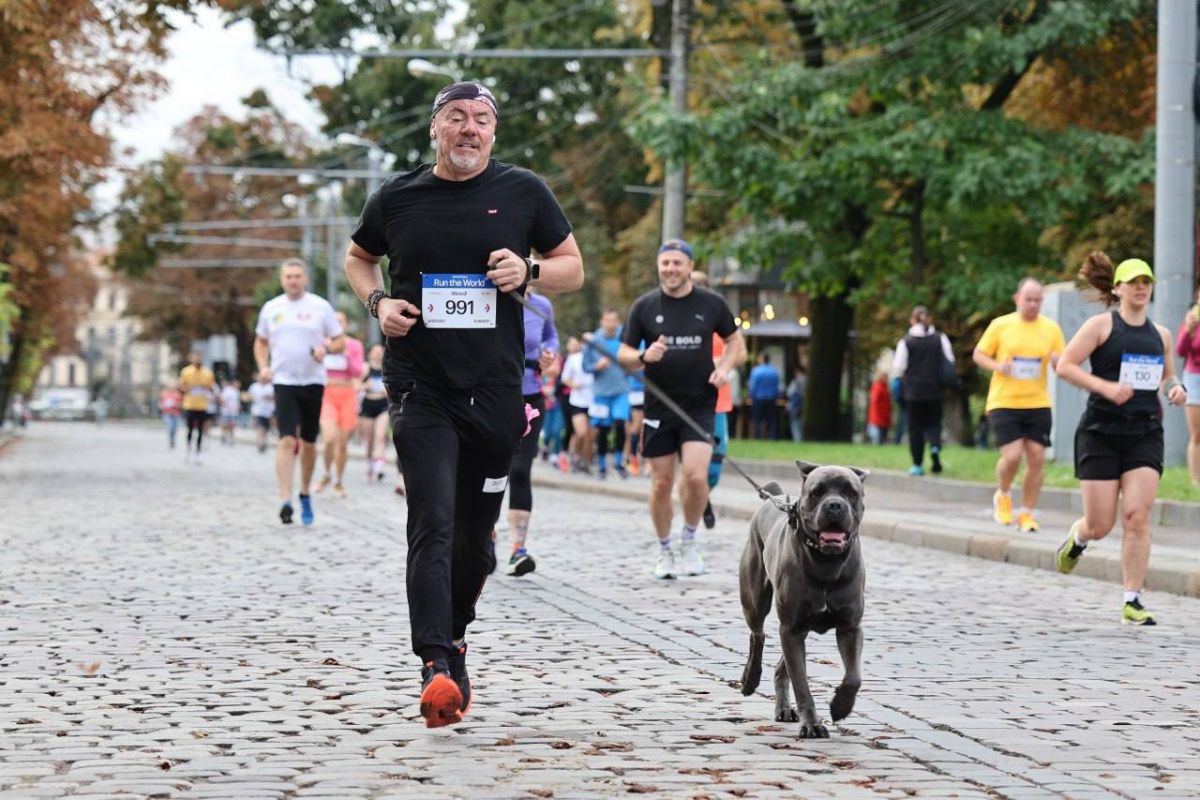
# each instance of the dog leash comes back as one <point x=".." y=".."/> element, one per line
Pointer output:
<point x="661" y="395"/>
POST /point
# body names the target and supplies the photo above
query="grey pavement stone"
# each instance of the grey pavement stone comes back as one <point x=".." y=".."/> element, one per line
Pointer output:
<point x="263" y="661"/>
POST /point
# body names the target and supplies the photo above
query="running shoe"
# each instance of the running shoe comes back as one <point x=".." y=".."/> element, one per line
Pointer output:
<point x="1135" y="614"/>
<point x="710" y="519"/>
<point x="458" y="671"/>
<point x="564" y="463"/>
<point x="1026" y="523"/>
<point x="693" y="562"/>
<point x="323" y="484"/>
<point x="520" y="563"/>
<point x="603" y="473"/>
<point x="306" y="511"/>
<point x="635" y="466"/>
<point x="664" y="566"/>
<point x="339" y="491"/>
<point x="285" y="513"/>
<point x="1002" y="508"/>
<point x="1069" y="551"/>
<point x="935" y="457"/>
<point x="916" y="470"/>
<point x="441" y="699"/>
<point x="620" y="468"/>
<point x="379" y="469"/>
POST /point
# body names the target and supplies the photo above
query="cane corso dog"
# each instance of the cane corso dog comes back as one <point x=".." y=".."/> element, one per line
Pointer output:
<point x="806" y="556"/>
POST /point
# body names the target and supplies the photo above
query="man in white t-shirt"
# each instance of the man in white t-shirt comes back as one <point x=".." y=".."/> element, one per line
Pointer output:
<point x="231" y="406"/>
<point x="262" y="408"/>
<point x="580" y="399"/>
<point x="290" y="350"/>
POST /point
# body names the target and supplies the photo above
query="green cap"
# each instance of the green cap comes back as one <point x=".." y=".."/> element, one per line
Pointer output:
<point x="1131" y="268"/>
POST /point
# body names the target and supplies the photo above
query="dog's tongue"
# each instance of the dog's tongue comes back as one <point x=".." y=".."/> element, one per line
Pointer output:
<point x="833" y="537"/>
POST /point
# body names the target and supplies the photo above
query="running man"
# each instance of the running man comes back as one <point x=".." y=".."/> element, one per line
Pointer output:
<point x="294" y="332"/>
<point x="196" y="381"/>
<point x="610" y="393"/>
<point x="459" y="236"/>
<point x="262" y="409"/>
<point x="231" y="406"/>
<point x="541" y="356"/>
<point x="1119" y="441"/>
<point x="1020" y="349"/>
<point x="339" y="408"/>
<point x="678" y="319"/>
<point x="579" y="381"/>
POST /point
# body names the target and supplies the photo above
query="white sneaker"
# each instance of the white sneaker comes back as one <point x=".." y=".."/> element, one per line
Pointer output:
<point x="664" y="567"/>
<point x="693" y="562"/>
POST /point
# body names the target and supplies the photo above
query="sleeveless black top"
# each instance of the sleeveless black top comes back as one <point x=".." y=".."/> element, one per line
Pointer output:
<point x="923" y="376"/>
<point x="1142" y="413"/>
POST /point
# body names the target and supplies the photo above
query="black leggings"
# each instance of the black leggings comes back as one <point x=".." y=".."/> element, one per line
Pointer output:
<point x="195" y="422"/>
<point x="924" y="425"/>
<point x="520" y="489"/>
<point x="460" y="445"/>
<point x="618" y="429"/>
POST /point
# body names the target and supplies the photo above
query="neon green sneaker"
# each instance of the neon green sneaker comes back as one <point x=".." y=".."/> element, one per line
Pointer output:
<point x="1134" y="614"/>
<point x="1069" y="551"/>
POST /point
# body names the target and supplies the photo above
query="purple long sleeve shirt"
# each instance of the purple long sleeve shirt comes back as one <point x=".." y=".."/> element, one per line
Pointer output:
<point x="539" y="335"/>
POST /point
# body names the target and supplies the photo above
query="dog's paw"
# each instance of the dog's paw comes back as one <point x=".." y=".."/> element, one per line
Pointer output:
<point x="786" y="715"/>
<point x="843" y="702"/>
<point x="750" y="680"/>
<point x="815" y="731"/>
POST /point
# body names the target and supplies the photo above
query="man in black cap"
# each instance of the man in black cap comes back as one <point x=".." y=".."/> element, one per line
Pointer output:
<point x="678" y="319"/>
<point x="459" y="234"/>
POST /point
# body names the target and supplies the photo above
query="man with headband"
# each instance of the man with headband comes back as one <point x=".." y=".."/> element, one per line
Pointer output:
<point x="679" y="319"/>
<point x="460" y="234"/>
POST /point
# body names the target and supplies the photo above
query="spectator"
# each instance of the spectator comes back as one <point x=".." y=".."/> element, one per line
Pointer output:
<point x="764" y="392"/>
<point x="795" y="403"/>
<point x="879" y="409"/>
<point x="1187" y="345"/>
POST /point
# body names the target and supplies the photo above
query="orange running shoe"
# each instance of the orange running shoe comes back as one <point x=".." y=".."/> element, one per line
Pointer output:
<point x="441" y="699"/>
<point x="1002" y="508"/>
<point x="635" y="466"/>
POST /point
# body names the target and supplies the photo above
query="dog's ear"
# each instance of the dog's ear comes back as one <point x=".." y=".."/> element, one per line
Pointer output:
<point x="806" y="467"/>
<point x="861" y="473"/>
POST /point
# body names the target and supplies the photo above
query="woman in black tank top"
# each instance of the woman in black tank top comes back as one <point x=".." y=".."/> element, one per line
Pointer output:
<point x="1119" y="441"/>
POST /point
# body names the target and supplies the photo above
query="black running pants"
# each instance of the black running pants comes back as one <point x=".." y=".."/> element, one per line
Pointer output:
<point x="195" y="422"/>
<point x="924" y="425"/>
<point x="520" y="485"/>
<point x="458" y="447"/>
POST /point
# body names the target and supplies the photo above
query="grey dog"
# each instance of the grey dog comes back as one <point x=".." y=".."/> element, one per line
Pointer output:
<point x="807" y="557"/>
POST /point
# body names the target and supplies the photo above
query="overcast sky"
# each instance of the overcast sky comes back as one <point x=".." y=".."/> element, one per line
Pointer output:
<point x="210" y="64"/>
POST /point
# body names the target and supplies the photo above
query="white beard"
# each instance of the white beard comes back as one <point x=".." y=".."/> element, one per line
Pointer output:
<point x="465" y="163"/>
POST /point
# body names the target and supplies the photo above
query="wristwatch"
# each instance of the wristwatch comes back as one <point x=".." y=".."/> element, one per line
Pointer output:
<point x="533" y="269"/>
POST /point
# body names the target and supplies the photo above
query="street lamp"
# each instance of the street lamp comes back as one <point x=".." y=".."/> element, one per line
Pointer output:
<point x="419" y="68"/>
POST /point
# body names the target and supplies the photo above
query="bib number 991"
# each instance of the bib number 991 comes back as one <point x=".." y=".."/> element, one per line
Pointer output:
<point x="454" y="307"/>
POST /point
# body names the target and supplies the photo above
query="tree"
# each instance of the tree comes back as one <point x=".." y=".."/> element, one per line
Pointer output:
<point x="882" y="165"/>
<point x="182" y="305"/>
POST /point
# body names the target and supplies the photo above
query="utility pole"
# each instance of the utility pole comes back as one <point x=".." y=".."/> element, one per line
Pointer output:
<point x="331" y="244"/>
<point x="675" y="187"/>
<point x="1175" y="185"/>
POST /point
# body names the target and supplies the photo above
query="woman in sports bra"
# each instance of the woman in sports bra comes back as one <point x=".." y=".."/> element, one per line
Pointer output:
<point x="1119" y="441"/>
<point x="374" y="414"/>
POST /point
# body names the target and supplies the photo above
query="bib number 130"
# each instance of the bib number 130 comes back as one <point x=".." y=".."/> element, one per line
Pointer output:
<point x="457" y="301"/>
<point x="1141" y="371"/>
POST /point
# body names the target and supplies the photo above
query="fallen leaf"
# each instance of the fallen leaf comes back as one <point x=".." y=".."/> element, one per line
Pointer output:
<point x="331" y="662"/>
<point x="313" y="683"/>
<point x="506" y="742"/>
<point x="91" y="669"/>
<point x="640" y="788"/>
<point x="199" y="734"/>
<point x="164" y="766"/>
<point x="561" y="745"/>
<point x="542" y="792"/>
<point x="713" y="737"/>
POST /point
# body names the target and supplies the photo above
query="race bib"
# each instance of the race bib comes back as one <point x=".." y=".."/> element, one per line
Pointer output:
<point x="1026" y="369"/>
<point x="337" y="361"/>
<point x="197" y="391"/>
<point x="458" y="301"/>
<point x="1141" y="371"/>
<point x="598" y="411"/>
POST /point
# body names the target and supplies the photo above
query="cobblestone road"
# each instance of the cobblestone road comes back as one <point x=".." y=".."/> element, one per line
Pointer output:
<point x="161" y="635"/>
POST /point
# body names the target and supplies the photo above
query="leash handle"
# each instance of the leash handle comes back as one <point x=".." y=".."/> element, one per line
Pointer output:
<point x="657" y="392"/>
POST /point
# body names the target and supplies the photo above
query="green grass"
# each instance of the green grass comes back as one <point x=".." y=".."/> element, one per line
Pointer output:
<point x="961" y="463"/>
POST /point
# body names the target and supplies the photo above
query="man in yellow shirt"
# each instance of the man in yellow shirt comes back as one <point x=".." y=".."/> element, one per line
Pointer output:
<point x="1019" y="349"/>
<point x="196" y="381"/>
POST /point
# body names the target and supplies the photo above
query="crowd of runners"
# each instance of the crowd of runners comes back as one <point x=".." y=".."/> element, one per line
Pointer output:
<point x="475" y="384"/>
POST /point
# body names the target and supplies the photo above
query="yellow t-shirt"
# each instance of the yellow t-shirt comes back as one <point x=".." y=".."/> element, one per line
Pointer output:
<point x="196" y="384"/>
<point x="1029" y="345"/>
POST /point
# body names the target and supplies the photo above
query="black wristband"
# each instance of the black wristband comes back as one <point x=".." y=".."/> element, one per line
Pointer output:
<point x="642" y="356"/>
<point x="372" y="303"/>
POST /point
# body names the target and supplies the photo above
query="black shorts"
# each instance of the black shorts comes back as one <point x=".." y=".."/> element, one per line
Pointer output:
<point x="576" y="411"/>
<point x="1108" y="456"/>
<point x="373" y="407"/>
<point x="263" y="422"/>
<point x="299" y="407"/>
<point x="664" y="434"/>
<point x="1011" y="424"/>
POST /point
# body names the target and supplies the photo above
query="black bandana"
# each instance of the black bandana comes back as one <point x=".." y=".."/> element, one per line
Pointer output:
<point x="465" y="90"/>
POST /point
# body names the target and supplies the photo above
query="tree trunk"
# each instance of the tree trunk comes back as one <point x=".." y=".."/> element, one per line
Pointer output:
<point x="8" y="375"/>
<point x="831" y="321"/>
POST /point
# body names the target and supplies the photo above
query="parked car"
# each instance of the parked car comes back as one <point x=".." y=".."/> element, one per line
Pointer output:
<point x="61" y="403"/>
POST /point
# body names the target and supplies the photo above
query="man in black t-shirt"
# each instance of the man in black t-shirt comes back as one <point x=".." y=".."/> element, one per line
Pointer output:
<point x="679" y="320"/>
<point x="458" y="236"/>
